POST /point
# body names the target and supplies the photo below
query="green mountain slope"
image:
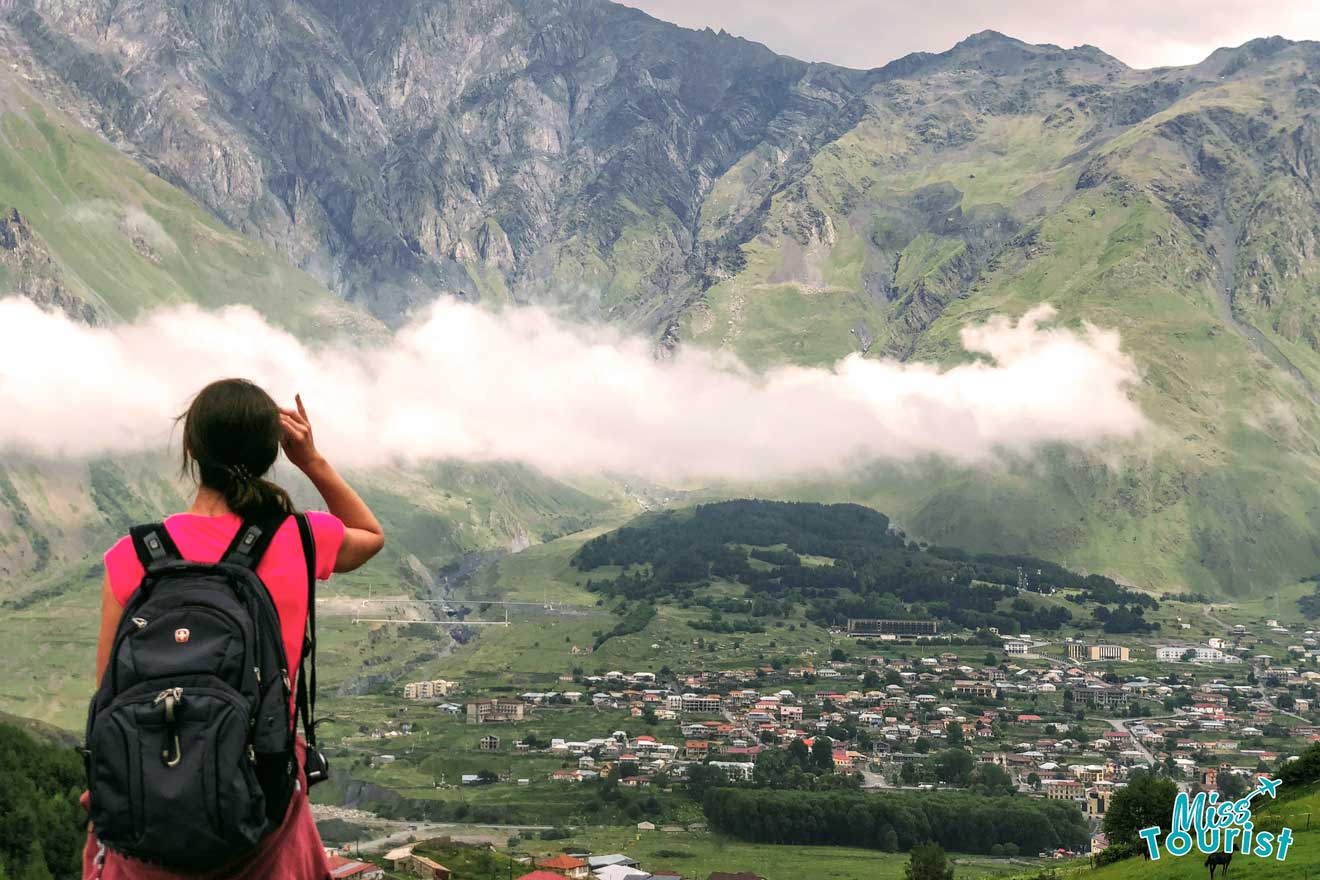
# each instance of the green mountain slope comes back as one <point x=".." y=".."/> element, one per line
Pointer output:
<point x="84" y="228"/>
<point x="702" y="189"/>
<point x="1178" y="207"/>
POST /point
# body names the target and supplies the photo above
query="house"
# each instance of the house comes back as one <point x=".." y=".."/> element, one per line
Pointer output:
<point x="1100" y="697"/>
<point x="489" y="743"/>
<point x="645" y="826"/>
<point x="421" y="866"/>
<point x="341" y="867"/>
<point x="705" y="703"/>
<point x="596" y="863"/>
<point x="736" y="770"/>
<point x="1097" y="802"/>
<point x="399" y="856"/>
<point x="620" y="872"/>
<point x="488" y="711"/>
<point x="1062" y="789"/>
<point x="566" y="866"/>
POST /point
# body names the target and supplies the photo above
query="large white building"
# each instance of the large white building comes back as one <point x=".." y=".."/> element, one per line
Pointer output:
<point x="1199" y="654"/>
<point x="739" y="771"/>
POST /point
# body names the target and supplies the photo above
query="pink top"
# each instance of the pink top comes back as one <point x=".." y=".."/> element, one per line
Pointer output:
<point x="283" y="570"/>
<point x="294" y="851"/>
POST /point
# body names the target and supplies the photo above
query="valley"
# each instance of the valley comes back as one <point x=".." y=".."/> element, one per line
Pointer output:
<point x="801" y="674"/>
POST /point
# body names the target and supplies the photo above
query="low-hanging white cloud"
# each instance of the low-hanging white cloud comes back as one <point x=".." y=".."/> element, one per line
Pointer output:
<point x="466" y="383"/>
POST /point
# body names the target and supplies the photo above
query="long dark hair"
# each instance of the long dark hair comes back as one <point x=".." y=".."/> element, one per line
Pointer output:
<point x="231" y="438"/>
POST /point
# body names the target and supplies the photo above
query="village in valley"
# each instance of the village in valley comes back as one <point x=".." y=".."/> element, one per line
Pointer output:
<point x="891" y="706"/>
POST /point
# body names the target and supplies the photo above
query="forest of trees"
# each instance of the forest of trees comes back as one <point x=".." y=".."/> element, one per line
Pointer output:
<point x="957" y="821"/>
<point x="40" y="820"/>
<point x="875" y="571"/>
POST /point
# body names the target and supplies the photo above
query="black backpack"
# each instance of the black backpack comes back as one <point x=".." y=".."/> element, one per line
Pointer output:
<point x="190" y="751"/>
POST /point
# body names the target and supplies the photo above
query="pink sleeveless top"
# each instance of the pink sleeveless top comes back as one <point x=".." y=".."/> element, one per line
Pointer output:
<point x="282" y="569"/>
<point x="294" y="851"/>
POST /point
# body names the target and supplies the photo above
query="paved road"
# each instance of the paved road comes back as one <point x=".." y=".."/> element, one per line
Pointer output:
<point x="874" y="780"/>
<point x="1120" y="725"/>
<point x="423" y="830"/>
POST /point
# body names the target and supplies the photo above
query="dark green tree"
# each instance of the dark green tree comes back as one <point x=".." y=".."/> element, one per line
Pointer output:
<point x="1231" y="787"/>
<point x="822" y="753"/>
<point x="954" y="732"/>
<point x="1305" y="769"/>
<point x="992" y="779"/>
<point x="954" y="766"/>
<point x="928" y="862"/>
<point x="1146" y="801"/>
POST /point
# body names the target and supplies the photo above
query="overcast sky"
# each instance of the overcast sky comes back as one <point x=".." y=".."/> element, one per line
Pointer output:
<point x="868" y="33"/>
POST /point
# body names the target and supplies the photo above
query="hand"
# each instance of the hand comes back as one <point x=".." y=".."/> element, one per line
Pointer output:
<point x="297" y="441"/>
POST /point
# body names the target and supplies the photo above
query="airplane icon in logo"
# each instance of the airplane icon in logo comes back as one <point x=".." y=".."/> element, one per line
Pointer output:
<point x="1267" y="785"/>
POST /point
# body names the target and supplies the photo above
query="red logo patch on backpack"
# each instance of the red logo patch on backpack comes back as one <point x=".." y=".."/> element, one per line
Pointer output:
<point x="181" y="634"/>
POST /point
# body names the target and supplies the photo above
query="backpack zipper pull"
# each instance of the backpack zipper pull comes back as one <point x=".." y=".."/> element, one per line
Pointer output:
<point x="170" y="696"/>
<point x="140" y="622"/>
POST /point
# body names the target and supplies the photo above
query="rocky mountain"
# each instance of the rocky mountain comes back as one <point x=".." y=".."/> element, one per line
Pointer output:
<point x="704" y="190"/>
<point x="86" y="230"/>
<point x="489" y="149"/>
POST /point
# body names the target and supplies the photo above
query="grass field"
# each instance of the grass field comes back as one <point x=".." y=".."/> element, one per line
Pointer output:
<point x="696" y="855"/>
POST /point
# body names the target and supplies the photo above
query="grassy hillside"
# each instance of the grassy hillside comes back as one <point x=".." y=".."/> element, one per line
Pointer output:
<point x="1168" y="206"/>
<point x="110" y="240"/>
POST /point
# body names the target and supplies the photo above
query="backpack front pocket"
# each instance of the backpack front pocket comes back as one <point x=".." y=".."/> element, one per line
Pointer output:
<point x="191" y="768"/>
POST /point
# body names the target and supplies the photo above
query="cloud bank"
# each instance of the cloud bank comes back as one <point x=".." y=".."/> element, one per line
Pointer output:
<point x="465" y="383"/>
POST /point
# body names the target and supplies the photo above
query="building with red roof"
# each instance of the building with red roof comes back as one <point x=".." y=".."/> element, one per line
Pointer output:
<point x="341" y="867"/>
<point x="565" y="866"/>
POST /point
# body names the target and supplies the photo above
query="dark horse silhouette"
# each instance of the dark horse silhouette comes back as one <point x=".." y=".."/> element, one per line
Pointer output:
<point x="1218" y="860"/>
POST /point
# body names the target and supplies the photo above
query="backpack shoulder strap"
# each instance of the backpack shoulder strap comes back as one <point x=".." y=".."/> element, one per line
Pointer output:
<point x="305" y="699"/>
<point x="251" y="541"/>
<point x="152" y="544"/>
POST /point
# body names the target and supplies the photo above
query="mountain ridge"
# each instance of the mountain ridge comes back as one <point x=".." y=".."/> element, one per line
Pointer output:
<point x="704" y="191"/>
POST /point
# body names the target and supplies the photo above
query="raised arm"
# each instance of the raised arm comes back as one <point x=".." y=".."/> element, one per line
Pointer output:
<point x="363" y="536"/>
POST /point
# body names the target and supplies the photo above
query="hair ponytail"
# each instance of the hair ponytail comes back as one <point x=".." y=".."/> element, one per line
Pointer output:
<point x="252" y="498"/>
<point x="231" y="438"/>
